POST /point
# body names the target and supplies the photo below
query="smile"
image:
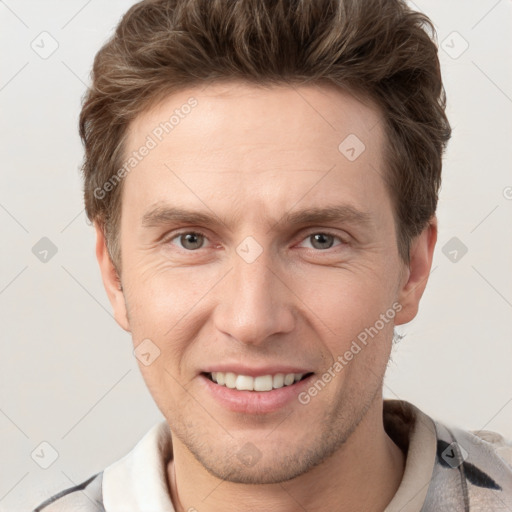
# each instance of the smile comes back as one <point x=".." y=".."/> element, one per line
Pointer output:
<point x="258" y="383"/>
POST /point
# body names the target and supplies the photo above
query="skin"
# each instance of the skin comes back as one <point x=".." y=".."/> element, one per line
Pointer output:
<point x="249" y="156"/>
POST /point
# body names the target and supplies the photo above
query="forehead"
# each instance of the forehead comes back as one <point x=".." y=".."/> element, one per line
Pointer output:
<point x="237" y="111"/>
<point x="235" y="138"/>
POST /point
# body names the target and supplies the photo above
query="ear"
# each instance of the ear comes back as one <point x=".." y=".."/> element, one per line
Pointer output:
<point x="416" y="273"/>
<point x="111" y="279"/>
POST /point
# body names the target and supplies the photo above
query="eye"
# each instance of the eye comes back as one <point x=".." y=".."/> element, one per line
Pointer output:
<point x="323" y="241"/>
<point x="194" y="240"/>
<point x="189" y="240"/>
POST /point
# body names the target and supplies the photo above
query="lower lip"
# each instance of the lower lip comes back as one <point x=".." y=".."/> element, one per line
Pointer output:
<point x="254" y="402"/>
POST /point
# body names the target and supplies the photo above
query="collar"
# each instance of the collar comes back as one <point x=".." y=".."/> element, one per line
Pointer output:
<point x="138" y="481"/>
<point x="415" y="433"/>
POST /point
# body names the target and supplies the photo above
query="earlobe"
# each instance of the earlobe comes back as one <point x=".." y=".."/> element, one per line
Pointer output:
<point x="111" y="280"/>
<point x="416" y="277"/>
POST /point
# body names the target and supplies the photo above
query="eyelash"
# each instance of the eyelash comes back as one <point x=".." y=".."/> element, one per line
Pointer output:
<point x="193" y="232"/>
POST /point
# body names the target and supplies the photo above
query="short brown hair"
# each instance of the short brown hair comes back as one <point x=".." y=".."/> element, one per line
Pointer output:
<point x="379" y="49"/>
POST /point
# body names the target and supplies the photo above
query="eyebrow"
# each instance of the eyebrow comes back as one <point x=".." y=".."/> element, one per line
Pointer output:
<point x="336" y="213"/>
<point x="162" y="215"/>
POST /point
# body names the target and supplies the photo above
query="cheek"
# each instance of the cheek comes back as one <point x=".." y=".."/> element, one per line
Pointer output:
<point x="346" y="301"/>
<point x="353" y="313"/>
<point x="159" y="296"/>
<point x="169" y="307"/>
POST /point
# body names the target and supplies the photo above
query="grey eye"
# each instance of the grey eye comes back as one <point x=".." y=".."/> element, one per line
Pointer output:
<point x="191" y="240"/>
<point x="321" y="240"/>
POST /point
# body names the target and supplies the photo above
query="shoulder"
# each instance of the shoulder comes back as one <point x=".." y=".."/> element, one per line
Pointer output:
<point x="494" y="442"/>
<point x="482" y="448"/>
<point x="468" y="470"/>
<point x="84" y="497"/>
<point x="476" y="463"/>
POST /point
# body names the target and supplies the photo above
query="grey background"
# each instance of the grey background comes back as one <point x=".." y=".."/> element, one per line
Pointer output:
<point x="67" y="373"/>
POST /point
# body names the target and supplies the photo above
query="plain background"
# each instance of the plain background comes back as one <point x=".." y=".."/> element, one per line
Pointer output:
<point x="67" y="373"/>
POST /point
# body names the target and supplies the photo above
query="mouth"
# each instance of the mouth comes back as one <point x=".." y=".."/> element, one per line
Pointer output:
<point x="253" y="391"/>
<point x="259" y="383"/>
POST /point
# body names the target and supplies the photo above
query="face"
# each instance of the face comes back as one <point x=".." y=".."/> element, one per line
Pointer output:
<point x="259" y="250"/>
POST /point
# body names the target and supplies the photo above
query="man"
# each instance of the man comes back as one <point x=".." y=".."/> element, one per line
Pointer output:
<point x="263" y="178"/>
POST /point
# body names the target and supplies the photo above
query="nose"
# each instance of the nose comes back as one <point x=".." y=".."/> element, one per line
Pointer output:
<point x="254" y="302"/>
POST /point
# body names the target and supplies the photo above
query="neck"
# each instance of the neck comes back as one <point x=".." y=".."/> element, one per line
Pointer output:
<point x="364" y="474"/>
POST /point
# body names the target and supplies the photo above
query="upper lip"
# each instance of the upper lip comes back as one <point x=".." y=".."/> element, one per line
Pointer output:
<point x="253" y="371"/>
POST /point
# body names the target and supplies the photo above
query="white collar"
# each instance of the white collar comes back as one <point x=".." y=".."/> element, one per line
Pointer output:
<point x="138" y="481"/>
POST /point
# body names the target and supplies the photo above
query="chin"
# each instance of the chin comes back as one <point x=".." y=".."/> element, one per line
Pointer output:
<point x="248" y="464"/>
<point x="272" y="473"/>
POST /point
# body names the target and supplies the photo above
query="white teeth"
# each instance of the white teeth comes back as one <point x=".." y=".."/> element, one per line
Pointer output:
<point x="289" y="378"/>
<point x="229" y="379"/>
<point x="244" y="383"/>
<point x="260" y="383"/>
<point x="278" y="380"/>
<point x="263" y="383"/>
